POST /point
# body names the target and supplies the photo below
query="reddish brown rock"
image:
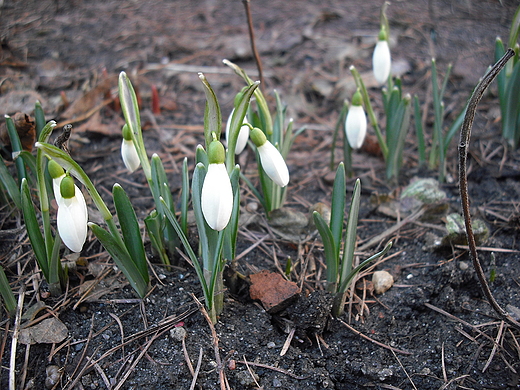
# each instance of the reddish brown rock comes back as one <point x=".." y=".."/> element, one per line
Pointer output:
<point x="272" y="290"/>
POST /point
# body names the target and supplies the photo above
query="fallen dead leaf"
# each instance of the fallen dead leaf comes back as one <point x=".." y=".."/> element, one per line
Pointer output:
<point x="48" y="331"/>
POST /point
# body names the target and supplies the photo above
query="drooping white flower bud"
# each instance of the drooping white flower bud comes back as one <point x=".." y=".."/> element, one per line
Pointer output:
<point x="381" y="59"/>
<point x="57" y="174"/>
<point x="356" y="122"/>
<point x="128" y="151"/>
<point x="272" y="160"/>
<point x="243" y="135"/>
<point x="217" y="193"/>
<point x="72" y="215"/>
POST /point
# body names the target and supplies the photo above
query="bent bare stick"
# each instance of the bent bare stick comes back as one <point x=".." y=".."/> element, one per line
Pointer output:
<point x="465" y="134"/>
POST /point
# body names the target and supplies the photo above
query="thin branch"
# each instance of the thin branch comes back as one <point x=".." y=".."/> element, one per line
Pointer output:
<point x="465" y="134"/>
<point x="253" y="44"/>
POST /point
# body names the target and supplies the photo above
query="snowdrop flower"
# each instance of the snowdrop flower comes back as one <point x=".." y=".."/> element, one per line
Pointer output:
<point x="356" y="122"/>
<point x="128" y="151"/>
<point x="72" y="215"/>
<point x="381" y="60"/>
<point x="217" y="194"/>
<point x="272" y="161"/>
<point x="57" y="174"/>
<point x="243" y="135"/>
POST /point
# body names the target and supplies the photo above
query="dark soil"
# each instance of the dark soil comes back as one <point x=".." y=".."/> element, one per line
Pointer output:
<point x="434" y="327"/>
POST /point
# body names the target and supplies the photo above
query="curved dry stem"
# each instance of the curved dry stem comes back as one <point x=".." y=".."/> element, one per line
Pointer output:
<point x="465" y="134"/>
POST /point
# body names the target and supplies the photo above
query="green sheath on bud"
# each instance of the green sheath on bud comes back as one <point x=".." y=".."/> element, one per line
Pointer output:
<point x="67" y="187"/>
<point x="216" y="152"/>
<point x="357" y="99"/>
<point x="239" y="96"/>
<point x="258" y="137"/>
<point x="55" y="169"/>
<point x="127" y="133"/>
<point x="382" y="35"/>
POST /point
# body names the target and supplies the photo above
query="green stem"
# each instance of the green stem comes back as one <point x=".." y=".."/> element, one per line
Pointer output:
<point x="370" y="111"/>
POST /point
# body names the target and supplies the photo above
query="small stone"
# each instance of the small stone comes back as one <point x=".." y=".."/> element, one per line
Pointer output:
<point x="53" y="376"/>
<point x="272" y="290"/>
<point x="178" y="333"/>
<point x="252" y="207"/>
<point x="382" y="281"/>
<point x="463" y="266"/>
<point x="271" y="344"/>
<point x="457" y="231"/>
<point x="277" y="382"/>
<point x="245" y="378"/>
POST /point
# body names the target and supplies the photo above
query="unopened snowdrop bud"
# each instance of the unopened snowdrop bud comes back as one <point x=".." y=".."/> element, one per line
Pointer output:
<point x="272" y="161"/>
<point x="72" y="215"/>
<point x="243" y="135"/>
<point x="356" y="122"/>
<point x="128" y="150"/>
<point x="217" y="194"/>
<point x="381" y="60"/>
<point x="57" y="174"/>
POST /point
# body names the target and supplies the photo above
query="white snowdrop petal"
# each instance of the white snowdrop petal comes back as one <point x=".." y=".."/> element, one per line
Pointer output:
<point x="72" y="222"/>
<point x="356" y="126"/>
<point x="243" y="135"/>
<point x="217" y="197"/>
<point x="129" y="155"/>
<point x="381" y="62"/>
<point x="56" y="188"/>
<point x="273" y="164"/>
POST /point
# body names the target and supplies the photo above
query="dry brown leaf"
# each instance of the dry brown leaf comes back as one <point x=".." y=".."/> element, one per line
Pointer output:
<point x="91" y="100"/>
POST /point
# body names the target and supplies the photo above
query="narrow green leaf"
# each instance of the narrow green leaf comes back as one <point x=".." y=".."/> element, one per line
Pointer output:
<point x="56" y="274"/>
<point x="185" y="196"/>
<point x="345" y="283"/>
<point x="340" y="124"/>
<point x="201" y="156"/>
<point x="515" y="29"/>
<point x="401" y="124"/>
<point x="10" y="184"/>
<point x="7" y="293"/>
<point x="122" y="259"/>
<point x="236" y="123"/>
<point x="212" y="114"/>
<point x="255" y="191"/>
<point x="16" y="147"/>
<point x="153" y="228"/>
<point x="130" y="229"/>
<point x="263" y="109"/>
<point x="330" y="253"/>
<point x="419" y="131"/>
<point x="350" y="235"/>
<point x="29" y="160"/>
<point x="33" y="229"/>
<point x="191" y="255"/>
<point x="231" y="230"/>
<point x="337" y="210"/>
<point x="454" y="128"/>
<point x="512" y="107"/>
<point x="39" y="118"/>
<point x="501" y="78"/>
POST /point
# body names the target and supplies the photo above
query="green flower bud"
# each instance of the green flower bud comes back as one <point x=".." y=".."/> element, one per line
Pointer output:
<point x="216" y="152"/>
<point x="382" y="35"/>
<point x="67" y="188"/>
<point x="55" y="169"/>
<point x="258" y="137"/>
<point x="127" y="133"/>
<point x="357" y="99"/>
